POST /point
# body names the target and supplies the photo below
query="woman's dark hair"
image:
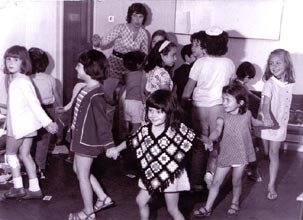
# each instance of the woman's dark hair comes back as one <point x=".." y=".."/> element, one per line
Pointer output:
<point x="246" y="69"/>
<point x="154" y="57"/>
<point x="199" y="36"/>
<point x="133" y="60"/>
<point x="240" y="93"/>
<point x="166" y="101"/>
<point x="95" y="64"/>
<point x="39" y="59"/>
<point x="137" y="8"/>
<point x="216" y="45"/>
<point x="21" y="53"/>
<point x="289" y="68"/>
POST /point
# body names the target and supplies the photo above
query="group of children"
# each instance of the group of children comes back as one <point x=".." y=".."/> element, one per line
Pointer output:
<point x="217" y="132"/>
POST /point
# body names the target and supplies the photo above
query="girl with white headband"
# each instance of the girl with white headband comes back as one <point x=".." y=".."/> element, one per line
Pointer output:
<point x="160" y="61"/>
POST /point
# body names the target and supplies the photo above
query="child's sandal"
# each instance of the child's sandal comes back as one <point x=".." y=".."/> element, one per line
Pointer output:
<point x="234" y="209"/>
<point x="75" y="216"/>
<point x="202" y="212"/>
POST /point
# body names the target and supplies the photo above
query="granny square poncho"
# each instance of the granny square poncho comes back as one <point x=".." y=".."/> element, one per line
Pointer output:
<point x="161" y="159"/>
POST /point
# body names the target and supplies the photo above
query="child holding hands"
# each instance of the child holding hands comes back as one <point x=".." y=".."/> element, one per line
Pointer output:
<point x="91" y="135"/>
<point x="275" y="101"/>
<point x="161" y="147"/>
<point x="236" y="146"/>
<point x="24" y="117"/>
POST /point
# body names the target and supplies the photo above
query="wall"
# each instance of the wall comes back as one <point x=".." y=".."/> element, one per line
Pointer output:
<point x="240" y="49"/>
<point x="32" y="24"/>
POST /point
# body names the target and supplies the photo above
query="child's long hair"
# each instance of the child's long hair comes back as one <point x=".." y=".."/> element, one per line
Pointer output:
<point x="240" y="93"/>
<point x="154" y="57"/>
<point x="290" y="73"/>
<point x="166" y="101"/>
<point x="21" y="53"/>
<point x="95" y="64"/>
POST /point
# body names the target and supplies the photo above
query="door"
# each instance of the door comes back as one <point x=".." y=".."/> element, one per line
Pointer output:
<point x="77" y="33"/>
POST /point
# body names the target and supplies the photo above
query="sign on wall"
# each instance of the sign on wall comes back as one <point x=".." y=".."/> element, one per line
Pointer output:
<point x="260" y="19"/>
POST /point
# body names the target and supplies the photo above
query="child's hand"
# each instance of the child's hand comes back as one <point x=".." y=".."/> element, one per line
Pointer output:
<point x="267" y="121"/>
<point x="96" y="39"/>
<point x="59" y="110"/>
<point x="207" y="143"/>
<point x="52" y="128"/>
<point x="112" y="153"/>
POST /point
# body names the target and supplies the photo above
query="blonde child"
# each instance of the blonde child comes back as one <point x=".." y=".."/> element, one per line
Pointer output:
<point x="24" y="117"/>
<point x="160" y="61"/>
<point x="236" y="146"/>
<point x="91" y="135"/>
<point x="208" y="75"/>
<point x="276" y="100"/>
<point x="161" y="147"/>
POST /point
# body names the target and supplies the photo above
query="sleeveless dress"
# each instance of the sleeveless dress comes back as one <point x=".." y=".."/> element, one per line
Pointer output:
<point x="236" y="146"/>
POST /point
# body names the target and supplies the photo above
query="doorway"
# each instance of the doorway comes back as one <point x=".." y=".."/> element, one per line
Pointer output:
<point x="77" y="34"/>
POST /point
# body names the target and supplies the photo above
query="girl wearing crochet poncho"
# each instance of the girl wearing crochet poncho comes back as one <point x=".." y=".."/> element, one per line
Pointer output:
<point x="161" y="147"/>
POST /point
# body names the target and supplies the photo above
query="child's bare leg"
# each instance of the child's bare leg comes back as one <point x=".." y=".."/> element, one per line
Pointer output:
<point x="142" y="201"/>
<point x="273" y="165"/>
<point x="12" y="148"/>
<point x="82" y="167"/>
<point x="219" y="177"/>
<point x="27" y="159"/>
<point x="237" y="184"/>
<point x="172" y="204"/>
<point x="265" y="147"/>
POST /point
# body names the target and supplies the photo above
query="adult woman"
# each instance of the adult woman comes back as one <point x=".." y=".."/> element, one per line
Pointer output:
<point x="126" y="37"/>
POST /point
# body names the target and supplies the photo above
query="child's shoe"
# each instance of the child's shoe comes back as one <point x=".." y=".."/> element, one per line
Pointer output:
<point x="32" y="195"/>
<point x="208" y="178"/>
<point x="41" y="174"/>
<point x="13" y="193"/>
<point x="254" y="176"/>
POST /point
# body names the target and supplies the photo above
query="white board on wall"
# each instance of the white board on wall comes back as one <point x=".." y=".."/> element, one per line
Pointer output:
<point x="260" y="19"/>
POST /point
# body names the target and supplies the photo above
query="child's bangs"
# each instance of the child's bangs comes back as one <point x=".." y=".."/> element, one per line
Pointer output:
<point x="14" y="53"/>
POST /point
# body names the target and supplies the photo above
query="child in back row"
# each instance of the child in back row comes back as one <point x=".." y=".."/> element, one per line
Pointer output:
<point x="47" y="92"/>
<point x="161" y="147"/>
<point x="275" y="106"/>
<point x="158" y="66"/>
<point x="236" y="146"/>
<point x="181" y="73"/>
<point x="134" y="97"/>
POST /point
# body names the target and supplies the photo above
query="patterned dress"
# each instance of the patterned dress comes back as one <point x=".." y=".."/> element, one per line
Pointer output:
<point x="162" y="159"/>
<point x="124" y="42"/>
<point x="236" y="146"/>
<point x="158" y="78"/>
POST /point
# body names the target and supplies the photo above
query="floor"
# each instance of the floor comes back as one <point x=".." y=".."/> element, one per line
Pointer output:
<point x="61" y="184"/>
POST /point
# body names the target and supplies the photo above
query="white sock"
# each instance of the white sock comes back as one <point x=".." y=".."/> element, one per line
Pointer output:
<point x="34" y="185"/>
<point x="18" y="183"/>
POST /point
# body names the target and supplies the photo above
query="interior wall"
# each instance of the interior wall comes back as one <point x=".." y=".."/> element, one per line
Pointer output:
<point x="240" y="49"/>
<point x="32" y="24"/>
